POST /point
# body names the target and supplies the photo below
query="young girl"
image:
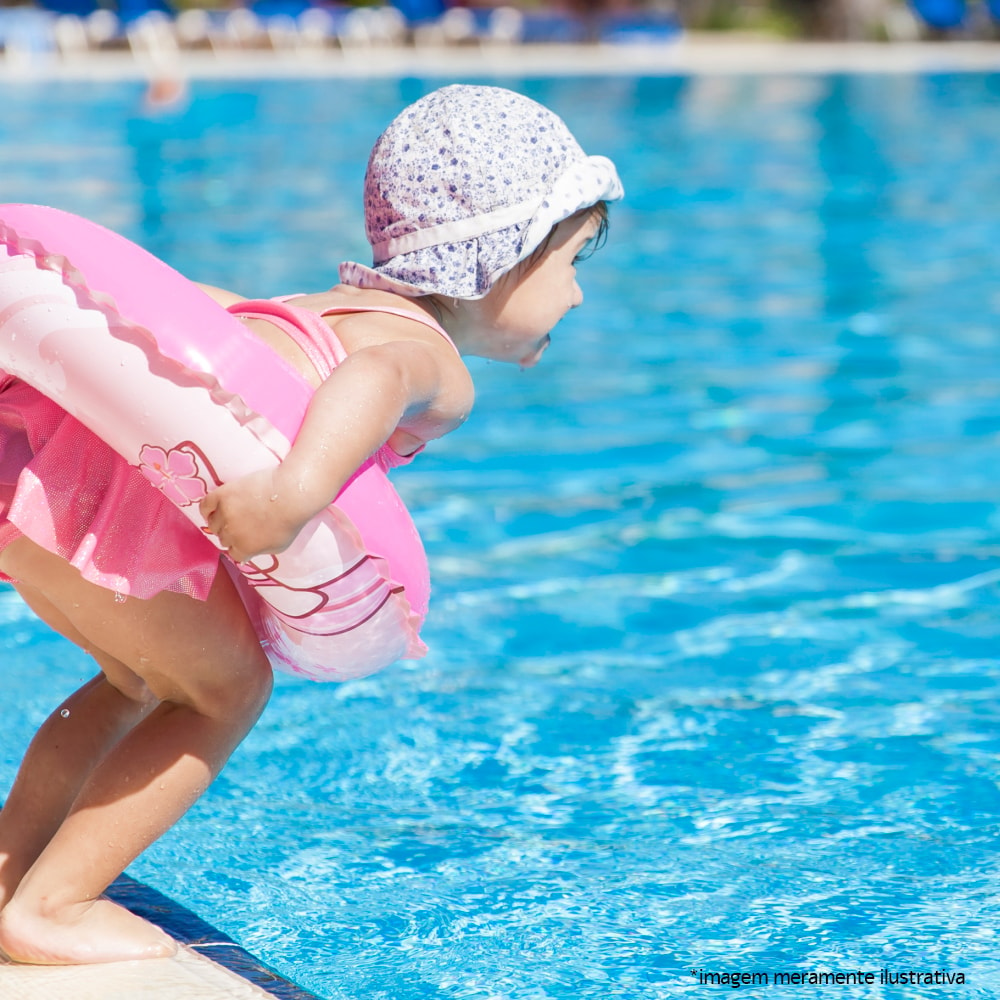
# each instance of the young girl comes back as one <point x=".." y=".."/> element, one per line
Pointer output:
<point x="478" y="205"/>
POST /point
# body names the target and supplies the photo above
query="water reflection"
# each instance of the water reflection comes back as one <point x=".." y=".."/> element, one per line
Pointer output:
<point x="715" y="616"/>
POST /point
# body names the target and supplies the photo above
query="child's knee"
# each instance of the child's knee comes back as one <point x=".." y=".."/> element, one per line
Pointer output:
<point x="240" y="698"/>
<point x="132" y="687"/>
<point x="125" y="681"/>
<point x="255" y="694"/>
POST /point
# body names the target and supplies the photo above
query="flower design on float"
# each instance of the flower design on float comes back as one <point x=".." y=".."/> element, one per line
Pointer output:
<point x="174" y="472"/>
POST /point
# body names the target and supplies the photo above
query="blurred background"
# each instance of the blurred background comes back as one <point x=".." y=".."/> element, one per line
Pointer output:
<point x="158" y="29"/>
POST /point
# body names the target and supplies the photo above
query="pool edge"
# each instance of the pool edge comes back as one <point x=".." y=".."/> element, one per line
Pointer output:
<point x="190" y="930"/>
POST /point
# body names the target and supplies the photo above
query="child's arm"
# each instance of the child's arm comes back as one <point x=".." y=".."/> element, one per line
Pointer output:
<point x="353" y="413"/>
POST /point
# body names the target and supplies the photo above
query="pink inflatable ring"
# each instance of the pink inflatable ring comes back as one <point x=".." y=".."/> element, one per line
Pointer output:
<point x="181" y="389"/>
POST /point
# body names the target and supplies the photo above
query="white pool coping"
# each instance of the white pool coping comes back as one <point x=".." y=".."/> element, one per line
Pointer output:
<point x="209" y="965"/>
<point x="186" y="976"/>
<point x="688" y="55"/>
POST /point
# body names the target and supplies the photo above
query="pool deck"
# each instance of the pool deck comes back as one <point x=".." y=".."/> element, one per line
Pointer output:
<point x="188" y="976"/>
<point x="686" y="55"/>
<point x="209" y="965"/>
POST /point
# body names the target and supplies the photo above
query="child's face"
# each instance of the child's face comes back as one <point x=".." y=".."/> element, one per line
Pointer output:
<point x="526" y="303"/>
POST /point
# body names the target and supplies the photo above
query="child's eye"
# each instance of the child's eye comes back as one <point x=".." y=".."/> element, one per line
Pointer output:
<point x="592" y="245"/>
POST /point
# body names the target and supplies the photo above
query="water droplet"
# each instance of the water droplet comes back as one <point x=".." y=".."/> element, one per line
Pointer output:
<point x="274" y="496"/>
<point x="119" y="598"/>
<point x="65" y="713"/>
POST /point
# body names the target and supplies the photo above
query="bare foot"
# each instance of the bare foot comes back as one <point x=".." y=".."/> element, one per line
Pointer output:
<point x="5" y="892"/>
<point x="84" y="934"/>
<point x="9" y="879"/>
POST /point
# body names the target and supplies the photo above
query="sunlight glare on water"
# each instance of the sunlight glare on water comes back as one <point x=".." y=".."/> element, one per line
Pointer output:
<point x="714" y="675"/>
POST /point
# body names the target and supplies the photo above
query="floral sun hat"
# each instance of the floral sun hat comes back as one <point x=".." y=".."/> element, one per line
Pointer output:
<point x="466" y="183"/>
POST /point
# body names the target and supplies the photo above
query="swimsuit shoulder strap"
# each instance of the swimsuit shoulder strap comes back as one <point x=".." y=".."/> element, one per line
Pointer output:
<point x="314" y="338"/>
<point x="391" y="311"/>
<point x="287" y="300"/>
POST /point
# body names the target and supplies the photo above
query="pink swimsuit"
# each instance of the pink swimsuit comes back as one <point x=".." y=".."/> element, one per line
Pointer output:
<point x="64" y="488"/>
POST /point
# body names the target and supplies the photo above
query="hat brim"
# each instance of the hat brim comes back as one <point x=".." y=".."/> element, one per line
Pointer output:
<point x="583" y="184"/>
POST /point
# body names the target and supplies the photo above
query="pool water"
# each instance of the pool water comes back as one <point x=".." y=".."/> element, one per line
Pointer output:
<point x="714" y="685"/>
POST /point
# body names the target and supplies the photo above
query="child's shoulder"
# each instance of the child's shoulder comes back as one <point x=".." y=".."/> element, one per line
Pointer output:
<point x="365" y="317"/>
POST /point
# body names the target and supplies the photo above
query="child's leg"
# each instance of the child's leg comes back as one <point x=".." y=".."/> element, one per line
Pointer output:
<point x="63" y="753"/>
<point x="204" y="664"/>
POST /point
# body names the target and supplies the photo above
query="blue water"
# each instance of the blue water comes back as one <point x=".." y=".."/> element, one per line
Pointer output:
<point x="714" y="681"/>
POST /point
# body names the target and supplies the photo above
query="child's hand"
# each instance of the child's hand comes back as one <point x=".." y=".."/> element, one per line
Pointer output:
<point x="248" y="517"/>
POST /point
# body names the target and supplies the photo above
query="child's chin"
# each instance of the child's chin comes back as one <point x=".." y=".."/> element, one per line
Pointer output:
<point x="530" y="360"/>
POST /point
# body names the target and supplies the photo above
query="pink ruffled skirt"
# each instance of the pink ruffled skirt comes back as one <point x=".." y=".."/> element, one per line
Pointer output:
<point x="66" y="490"/>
